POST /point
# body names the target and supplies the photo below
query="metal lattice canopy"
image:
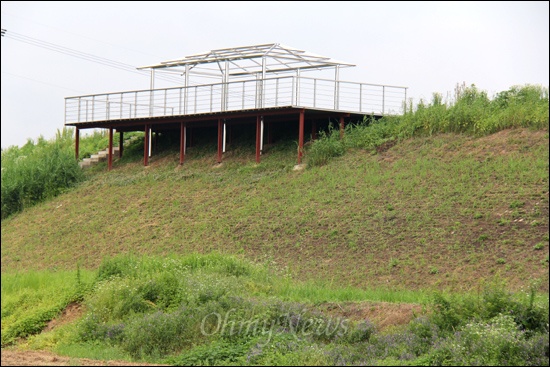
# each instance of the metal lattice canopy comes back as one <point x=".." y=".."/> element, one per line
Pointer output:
<point x="249" y="61"/>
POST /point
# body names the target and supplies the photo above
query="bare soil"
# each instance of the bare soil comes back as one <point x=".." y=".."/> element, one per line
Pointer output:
<point x="41" y="358"/>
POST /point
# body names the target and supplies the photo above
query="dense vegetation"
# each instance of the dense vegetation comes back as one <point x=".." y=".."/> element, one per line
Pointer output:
<point x="43" y="169"/>
<point x="471" y="112"/>
<point x="219" y="310"/>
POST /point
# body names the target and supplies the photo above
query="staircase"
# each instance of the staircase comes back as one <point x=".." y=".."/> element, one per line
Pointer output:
<point x="99" y="157"/>
<point x="103" y="155"/>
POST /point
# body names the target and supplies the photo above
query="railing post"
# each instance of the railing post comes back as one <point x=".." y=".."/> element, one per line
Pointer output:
<point x="292" y="97"/>
<point x="257" y="94"/>
<point x="165" y="95"/>
<point x="93" y="107"/>
<point x="405" y="102"/>
<point x="135" y="105"/>
<point x="360" y="97"/>
<point x="179" y="110"/>
<point x="298" y="87"/>
<point x="336" y="87"/>
<point x="277" y="92"/>
<point x="87" y="110"/>
<point x="107" y="107"/>
<point x="211" y="94"/>
<point x="196" y="99"/>
<point x="314" y="92"/>
<point x="186" y="86"/>
<point x="243" y="97"/>
<point x="383" y="98"/>
<point x="78" y="119"/>
<point x="337" y="95"/>
<point x="151" y="101"/>
<point x="121" y="94"/>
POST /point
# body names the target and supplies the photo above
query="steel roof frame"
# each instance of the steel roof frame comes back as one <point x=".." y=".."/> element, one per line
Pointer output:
<point x="251" y="61"/>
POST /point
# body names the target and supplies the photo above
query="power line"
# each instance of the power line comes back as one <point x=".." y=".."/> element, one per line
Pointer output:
<point x="75" y="34"/>
<point x="41" y="82"/>
<point x="88" y="57"/>
<point x="83" y="55"/>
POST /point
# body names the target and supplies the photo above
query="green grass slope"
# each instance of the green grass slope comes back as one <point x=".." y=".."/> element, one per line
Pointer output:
<point x="440" y="212"/>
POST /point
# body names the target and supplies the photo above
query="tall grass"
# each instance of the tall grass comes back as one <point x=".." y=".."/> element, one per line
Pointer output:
<point x="31" y="299"/>
<point x="471" y="112"/>
<point x="38" y="171"/>
<point x="45" y="168"/>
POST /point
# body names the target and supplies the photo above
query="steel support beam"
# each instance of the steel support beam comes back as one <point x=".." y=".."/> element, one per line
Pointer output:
<point x="313" y="130"/>
<point x="110" y="156"/>
<point x="77" y="142"/>
<point x="224" y="136"/>
<point x="146" y="146"/>
<point x="220" y="143"/>
<point x="261" y="135"/>
<point x="182" y="142"/>
<point x="258" y="137"/>
<point x="301" y="137"/>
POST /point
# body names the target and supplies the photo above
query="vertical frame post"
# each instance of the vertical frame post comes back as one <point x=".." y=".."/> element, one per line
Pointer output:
<point x="224" y="136"/>
<point x="77" y="142"/>
<point x="258" y="132"/>
<point x="301" y="137"/>
<point x="146" y="146"/>
<point x="182" y="142"/>
<point x="220" y="128"/>
<point x="110" y="156"/>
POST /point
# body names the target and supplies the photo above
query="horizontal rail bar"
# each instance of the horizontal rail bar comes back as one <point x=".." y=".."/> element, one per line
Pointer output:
<point x="292" y="91"/>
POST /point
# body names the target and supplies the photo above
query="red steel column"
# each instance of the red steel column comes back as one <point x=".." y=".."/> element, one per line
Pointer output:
<point x="220" y="133"/>
<point x="258" y="137"/>
<point x="313" y="130"/>
<point x="341" y="127"/>
<point x="120" y="144"/>
<point x="77" y="142"/>
<point x="301" y="137"/>
<point x="182" y="142"/>
<point x="110" y="156"/>
<point x="146" y="146"/>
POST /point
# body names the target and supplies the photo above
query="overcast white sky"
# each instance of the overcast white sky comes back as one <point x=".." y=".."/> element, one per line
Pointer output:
<point x="425" y="46"/>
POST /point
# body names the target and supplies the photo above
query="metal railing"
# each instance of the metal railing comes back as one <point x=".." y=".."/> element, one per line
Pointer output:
<point x="288" y="91"/>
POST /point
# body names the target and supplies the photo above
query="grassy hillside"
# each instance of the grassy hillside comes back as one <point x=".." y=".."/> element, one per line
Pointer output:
<point x="444" y="212"/>
<point x="419" y="239"/>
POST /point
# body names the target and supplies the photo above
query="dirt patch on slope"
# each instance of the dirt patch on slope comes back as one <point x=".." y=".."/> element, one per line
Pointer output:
<point x="41" y="358"/>
<point x="382" y="314"/>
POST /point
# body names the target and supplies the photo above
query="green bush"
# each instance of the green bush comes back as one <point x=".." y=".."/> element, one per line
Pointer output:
<point x="494" y="300"/>
<point x="329" y="145"/>
<point x="36" y="172"/>
<point x="493" y="343"/>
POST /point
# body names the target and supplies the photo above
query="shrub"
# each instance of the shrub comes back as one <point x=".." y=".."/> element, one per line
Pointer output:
<point x="329" y="145"/>
<point x="36" y="172"/>
<point x="471" y="112"/>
